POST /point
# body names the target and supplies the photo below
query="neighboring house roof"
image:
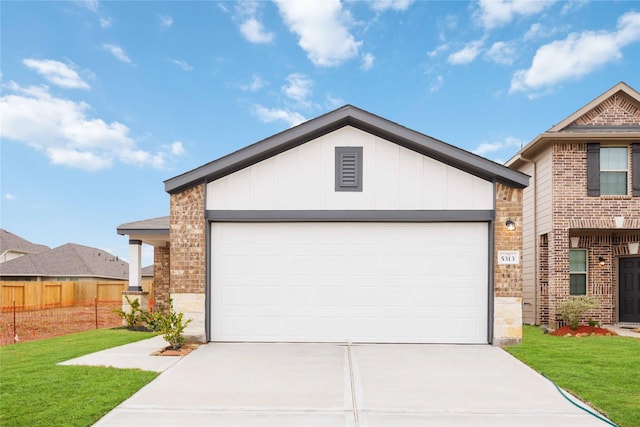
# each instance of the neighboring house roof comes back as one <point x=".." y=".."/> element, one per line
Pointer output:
<point x="70" y="260"/>
<point x="147" y="271"/>
<point x="14" y="243"/>
<point x="363" y="120"/>
<point x="584" y="124"/>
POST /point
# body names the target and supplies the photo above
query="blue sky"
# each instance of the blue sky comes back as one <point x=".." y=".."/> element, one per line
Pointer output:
<point x="103" y="101"/>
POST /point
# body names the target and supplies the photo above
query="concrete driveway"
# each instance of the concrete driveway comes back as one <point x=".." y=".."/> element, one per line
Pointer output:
<point x="338" y="385"/>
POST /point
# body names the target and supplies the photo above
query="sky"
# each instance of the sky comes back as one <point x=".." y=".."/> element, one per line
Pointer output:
<point x="102" y="101"/>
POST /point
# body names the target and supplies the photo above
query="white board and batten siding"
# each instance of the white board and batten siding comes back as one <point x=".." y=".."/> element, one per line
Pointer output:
<point x="393" y="178"/>
<point x="350" y="281"/>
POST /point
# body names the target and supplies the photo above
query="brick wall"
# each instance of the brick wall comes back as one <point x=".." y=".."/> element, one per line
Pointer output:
<point x="574" y="210"/>
<point x="508" y="278"/>
<point x="188" y="245"/>
<point x="161" y="275"/>
<point x="618" y="110"/>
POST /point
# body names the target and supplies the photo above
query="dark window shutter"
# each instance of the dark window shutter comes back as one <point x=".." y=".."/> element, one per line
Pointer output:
<point x="593" y="169"/>
<point x="348" y="169"/>
<point x="635" y="168"/>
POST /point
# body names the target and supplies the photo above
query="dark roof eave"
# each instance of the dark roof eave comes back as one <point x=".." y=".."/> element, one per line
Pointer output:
<point x="142" y="231"/>
<point x="345" y="116"/>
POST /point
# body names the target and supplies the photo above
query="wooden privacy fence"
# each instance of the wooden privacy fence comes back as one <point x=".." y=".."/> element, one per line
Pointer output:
<point x="41" y="295"/>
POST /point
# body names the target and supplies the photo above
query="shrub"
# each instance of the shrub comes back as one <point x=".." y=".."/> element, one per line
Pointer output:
<point x="134" y="317"/>
<point x="572" y="309"/>
<point x="171" y="325"/>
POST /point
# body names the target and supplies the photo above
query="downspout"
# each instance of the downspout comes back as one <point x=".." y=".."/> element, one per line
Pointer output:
<point x="535" y="236"/>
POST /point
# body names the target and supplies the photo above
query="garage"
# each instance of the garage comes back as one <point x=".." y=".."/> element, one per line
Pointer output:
<point x="346" y="228"/>
<point x="350" y="282"/>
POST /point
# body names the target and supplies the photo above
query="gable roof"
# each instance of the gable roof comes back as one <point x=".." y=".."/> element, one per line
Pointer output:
<point x="360" y="119"/>
<point x="69" y="260"/>
<point x="14" y="243"/>
<point x="584" y="124"/>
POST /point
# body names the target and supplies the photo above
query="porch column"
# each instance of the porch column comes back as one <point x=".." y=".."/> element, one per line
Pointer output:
<point x="135" y="269"/>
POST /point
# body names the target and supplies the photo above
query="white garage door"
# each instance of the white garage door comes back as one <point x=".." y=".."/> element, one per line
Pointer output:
<point x="358" y="282"/>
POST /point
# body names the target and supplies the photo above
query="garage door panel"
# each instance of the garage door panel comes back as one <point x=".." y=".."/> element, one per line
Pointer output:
<point x="355" y="282"/>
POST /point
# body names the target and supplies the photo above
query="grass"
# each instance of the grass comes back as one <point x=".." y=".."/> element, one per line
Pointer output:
<point x="34" y="391"/>
<point x="602" y="371"/>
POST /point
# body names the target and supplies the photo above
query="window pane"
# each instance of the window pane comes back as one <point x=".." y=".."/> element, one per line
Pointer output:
<point x="613" y="158"/>
<point x="578" y="284"/>
<point x="613" y="183"/>
<point x="577" y="260"/>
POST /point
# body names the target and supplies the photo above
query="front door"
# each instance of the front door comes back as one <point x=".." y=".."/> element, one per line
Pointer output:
<point x="630" y="290"/>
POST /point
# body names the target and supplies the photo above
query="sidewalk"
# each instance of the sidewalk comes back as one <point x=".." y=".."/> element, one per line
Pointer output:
<point x="136" y="355"/>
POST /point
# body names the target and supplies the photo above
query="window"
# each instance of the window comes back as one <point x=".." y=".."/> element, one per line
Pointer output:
<point x="348" y="169"/>
<point x="577" y="272"/>
<point x="614" y="168"/>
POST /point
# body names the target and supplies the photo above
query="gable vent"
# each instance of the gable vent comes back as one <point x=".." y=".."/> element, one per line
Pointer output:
<point x="348" y="169"/>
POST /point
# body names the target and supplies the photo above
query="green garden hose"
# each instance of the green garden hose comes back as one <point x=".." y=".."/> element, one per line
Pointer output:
<point x="587" y="410"/>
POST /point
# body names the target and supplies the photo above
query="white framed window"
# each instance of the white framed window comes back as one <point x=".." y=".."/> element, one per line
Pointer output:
<point x="614" y="170"/>
<point x="577" y="271"/>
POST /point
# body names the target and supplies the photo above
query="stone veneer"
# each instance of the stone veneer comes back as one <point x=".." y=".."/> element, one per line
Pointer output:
<point x="507" y="315"/>
<point x="161" y="274"/>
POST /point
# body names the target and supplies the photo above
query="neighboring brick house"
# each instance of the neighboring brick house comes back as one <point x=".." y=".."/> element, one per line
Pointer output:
<point x="347" y="227"/>
<point x="582" y="211"/>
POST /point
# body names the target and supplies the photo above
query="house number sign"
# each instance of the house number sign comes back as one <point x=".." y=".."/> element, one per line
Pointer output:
<point x="508" y="257"/>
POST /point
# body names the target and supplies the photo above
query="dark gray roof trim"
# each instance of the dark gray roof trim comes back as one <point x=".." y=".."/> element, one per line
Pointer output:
<point x="148" y="226"/>
<point x="363" y="120"/>
<point x="350" y="216"/>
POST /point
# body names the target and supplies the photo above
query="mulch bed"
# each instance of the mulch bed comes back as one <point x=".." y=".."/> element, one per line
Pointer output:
<point x="183" y="351"/>
<point x="582" y="331"/>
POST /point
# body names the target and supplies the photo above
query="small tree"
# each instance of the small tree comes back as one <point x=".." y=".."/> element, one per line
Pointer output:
<point x="133" y="317"/>
<point x="572" y="309"/>
<point x="171" y="326"/>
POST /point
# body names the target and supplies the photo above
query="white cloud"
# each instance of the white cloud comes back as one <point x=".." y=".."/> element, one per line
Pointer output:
<point x="256" y="83"/>
<point x="61" y="129"/>
<point x="92" y="5"/>
<point x="438" y="50"/>
<point x="57" y="73"/>
<point x="250" y="26"/>
<point x="118" y="52"/>
<point x="502" y="53"/>
<point x="182" y="64"/>
<point x="437" y="84"/>
<point x="10" y="196"/>
<point x="165" y="21"/>
<point x="322" y="27"/>
<point x="534" y="32"/>
<point x="487" y="148"/>
<point x="333" y="102"/>
<point x="253" y="31"/>
<point x="299" y="87"/>
<point x="268" y="115"/>
<point x="367" y="61"/>
<point x="577" y="55"/>
<point x="105" y="22"/>
<point x="467" y="54"/>
<point x="399" y="5"/>
<point x="177" y="149"/>
<point x="496" y="13"/>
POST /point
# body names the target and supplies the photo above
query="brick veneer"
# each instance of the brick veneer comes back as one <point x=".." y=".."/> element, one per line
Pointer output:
<point x="617" y="110"/>
<point x="508" y="278"/>
<point x="188" y="241"/>
<point x="591" y="219"/>
<point x="161" y="274"/>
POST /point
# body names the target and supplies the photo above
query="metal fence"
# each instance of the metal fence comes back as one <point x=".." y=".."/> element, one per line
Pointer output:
<point x="32" y="322"/>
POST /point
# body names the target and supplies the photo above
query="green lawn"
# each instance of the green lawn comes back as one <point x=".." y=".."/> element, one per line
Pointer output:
<point x="34" y="391"/>
<point x="602" y="371"/>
